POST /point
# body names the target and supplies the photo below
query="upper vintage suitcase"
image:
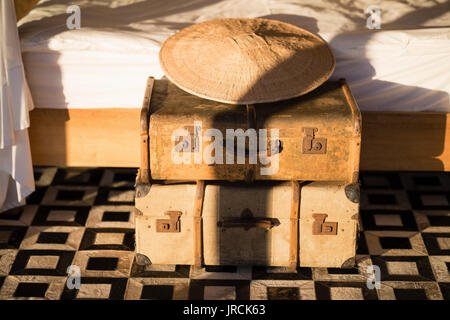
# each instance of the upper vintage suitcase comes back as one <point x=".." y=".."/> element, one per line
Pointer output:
<point x="267" y="223"/>
<point x="315" y="137"/>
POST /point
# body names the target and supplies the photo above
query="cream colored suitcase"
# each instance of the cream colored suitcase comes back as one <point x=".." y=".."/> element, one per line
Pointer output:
<point x="267" y="223"/>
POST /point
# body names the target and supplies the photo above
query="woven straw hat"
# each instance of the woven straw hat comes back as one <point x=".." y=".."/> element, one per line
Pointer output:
<point x="246" y="61"/>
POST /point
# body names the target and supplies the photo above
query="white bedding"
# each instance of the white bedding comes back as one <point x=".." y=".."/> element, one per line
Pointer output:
<point x="402" y="67"/>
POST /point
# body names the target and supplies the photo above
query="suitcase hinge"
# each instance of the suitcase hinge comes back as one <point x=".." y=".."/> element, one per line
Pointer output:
<point x="320" y="227"/>
<point x="313" y="145"/>
<point x="169" y="225"/>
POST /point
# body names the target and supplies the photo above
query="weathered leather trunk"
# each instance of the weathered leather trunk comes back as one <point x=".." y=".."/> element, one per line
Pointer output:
<point x="319" y="136"/>
<point x="312" y="224"/>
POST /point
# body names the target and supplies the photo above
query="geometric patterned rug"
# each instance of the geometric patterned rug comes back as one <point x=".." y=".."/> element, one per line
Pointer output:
<point x="84" y="217"/>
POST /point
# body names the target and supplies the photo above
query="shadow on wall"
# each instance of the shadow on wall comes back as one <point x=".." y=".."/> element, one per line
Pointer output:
<point x="51" y="122"/>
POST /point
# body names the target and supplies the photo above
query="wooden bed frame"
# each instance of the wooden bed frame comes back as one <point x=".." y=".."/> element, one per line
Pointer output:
<point x="403" y="141"/>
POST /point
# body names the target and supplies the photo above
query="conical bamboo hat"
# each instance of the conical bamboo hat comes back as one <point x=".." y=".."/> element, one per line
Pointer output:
<point x="246" y="61"/>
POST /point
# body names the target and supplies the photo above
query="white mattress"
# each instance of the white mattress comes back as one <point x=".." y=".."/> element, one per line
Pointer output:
<point x="404" y="66"/>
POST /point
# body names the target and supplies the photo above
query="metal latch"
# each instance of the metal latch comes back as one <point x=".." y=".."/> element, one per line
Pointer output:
<point x="320" y="227"/>
<point x="169" y="225"/>
<point x="313" y="145"/>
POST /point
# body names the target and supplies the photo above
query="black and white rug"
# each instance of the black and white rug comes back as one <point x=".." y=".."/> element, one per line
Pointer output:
<point x="84" y="218"/>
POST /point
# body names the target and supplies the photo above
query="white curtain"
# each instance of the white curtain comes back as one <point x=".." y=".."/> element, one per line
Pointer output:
<point x="16" y="172"/>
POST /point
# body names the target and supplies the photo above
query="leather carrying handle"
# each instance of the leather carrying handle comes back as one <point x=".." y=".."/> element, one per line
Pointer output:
<point x="248" y="223"/>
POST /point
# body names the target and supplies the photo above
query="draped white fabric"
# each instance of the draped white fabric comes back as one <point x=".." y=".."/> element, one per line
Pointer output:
<point x="16" y="173"/>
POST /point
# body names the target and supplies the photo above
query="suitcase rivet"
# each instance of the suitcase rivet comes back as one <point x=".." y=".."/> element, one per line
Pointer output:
<point x="352" y="192"/>
<point x="317" y="146"/>
<point x="142" y="260"/>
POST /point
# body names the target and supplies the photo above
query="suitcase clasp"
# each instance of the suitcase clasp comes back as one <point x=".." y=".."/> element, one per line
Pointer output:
<point x="320" y="227"/>
<point x="169" y="225"/>
<point x="313" y="145"/>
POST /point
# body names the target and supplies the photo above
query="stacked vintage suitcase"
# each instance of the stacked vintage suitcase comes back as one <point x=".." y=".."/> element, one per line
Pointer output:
<point x="285" y="192"/>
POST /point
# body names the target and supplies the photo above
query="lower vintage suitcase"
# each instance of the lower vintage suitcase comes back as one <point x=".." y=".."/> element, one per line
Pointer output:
<point x="267" y="223"/>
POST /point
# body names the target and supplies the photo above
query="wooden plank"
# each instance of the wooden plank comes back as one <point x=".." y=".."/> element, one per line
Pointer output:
<point x="198" y="207"/>
<point x="293" y="241"/>
<point x="405" y="141"/>
<point x="85" y="137"/>
<point x="110" y="137"/>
